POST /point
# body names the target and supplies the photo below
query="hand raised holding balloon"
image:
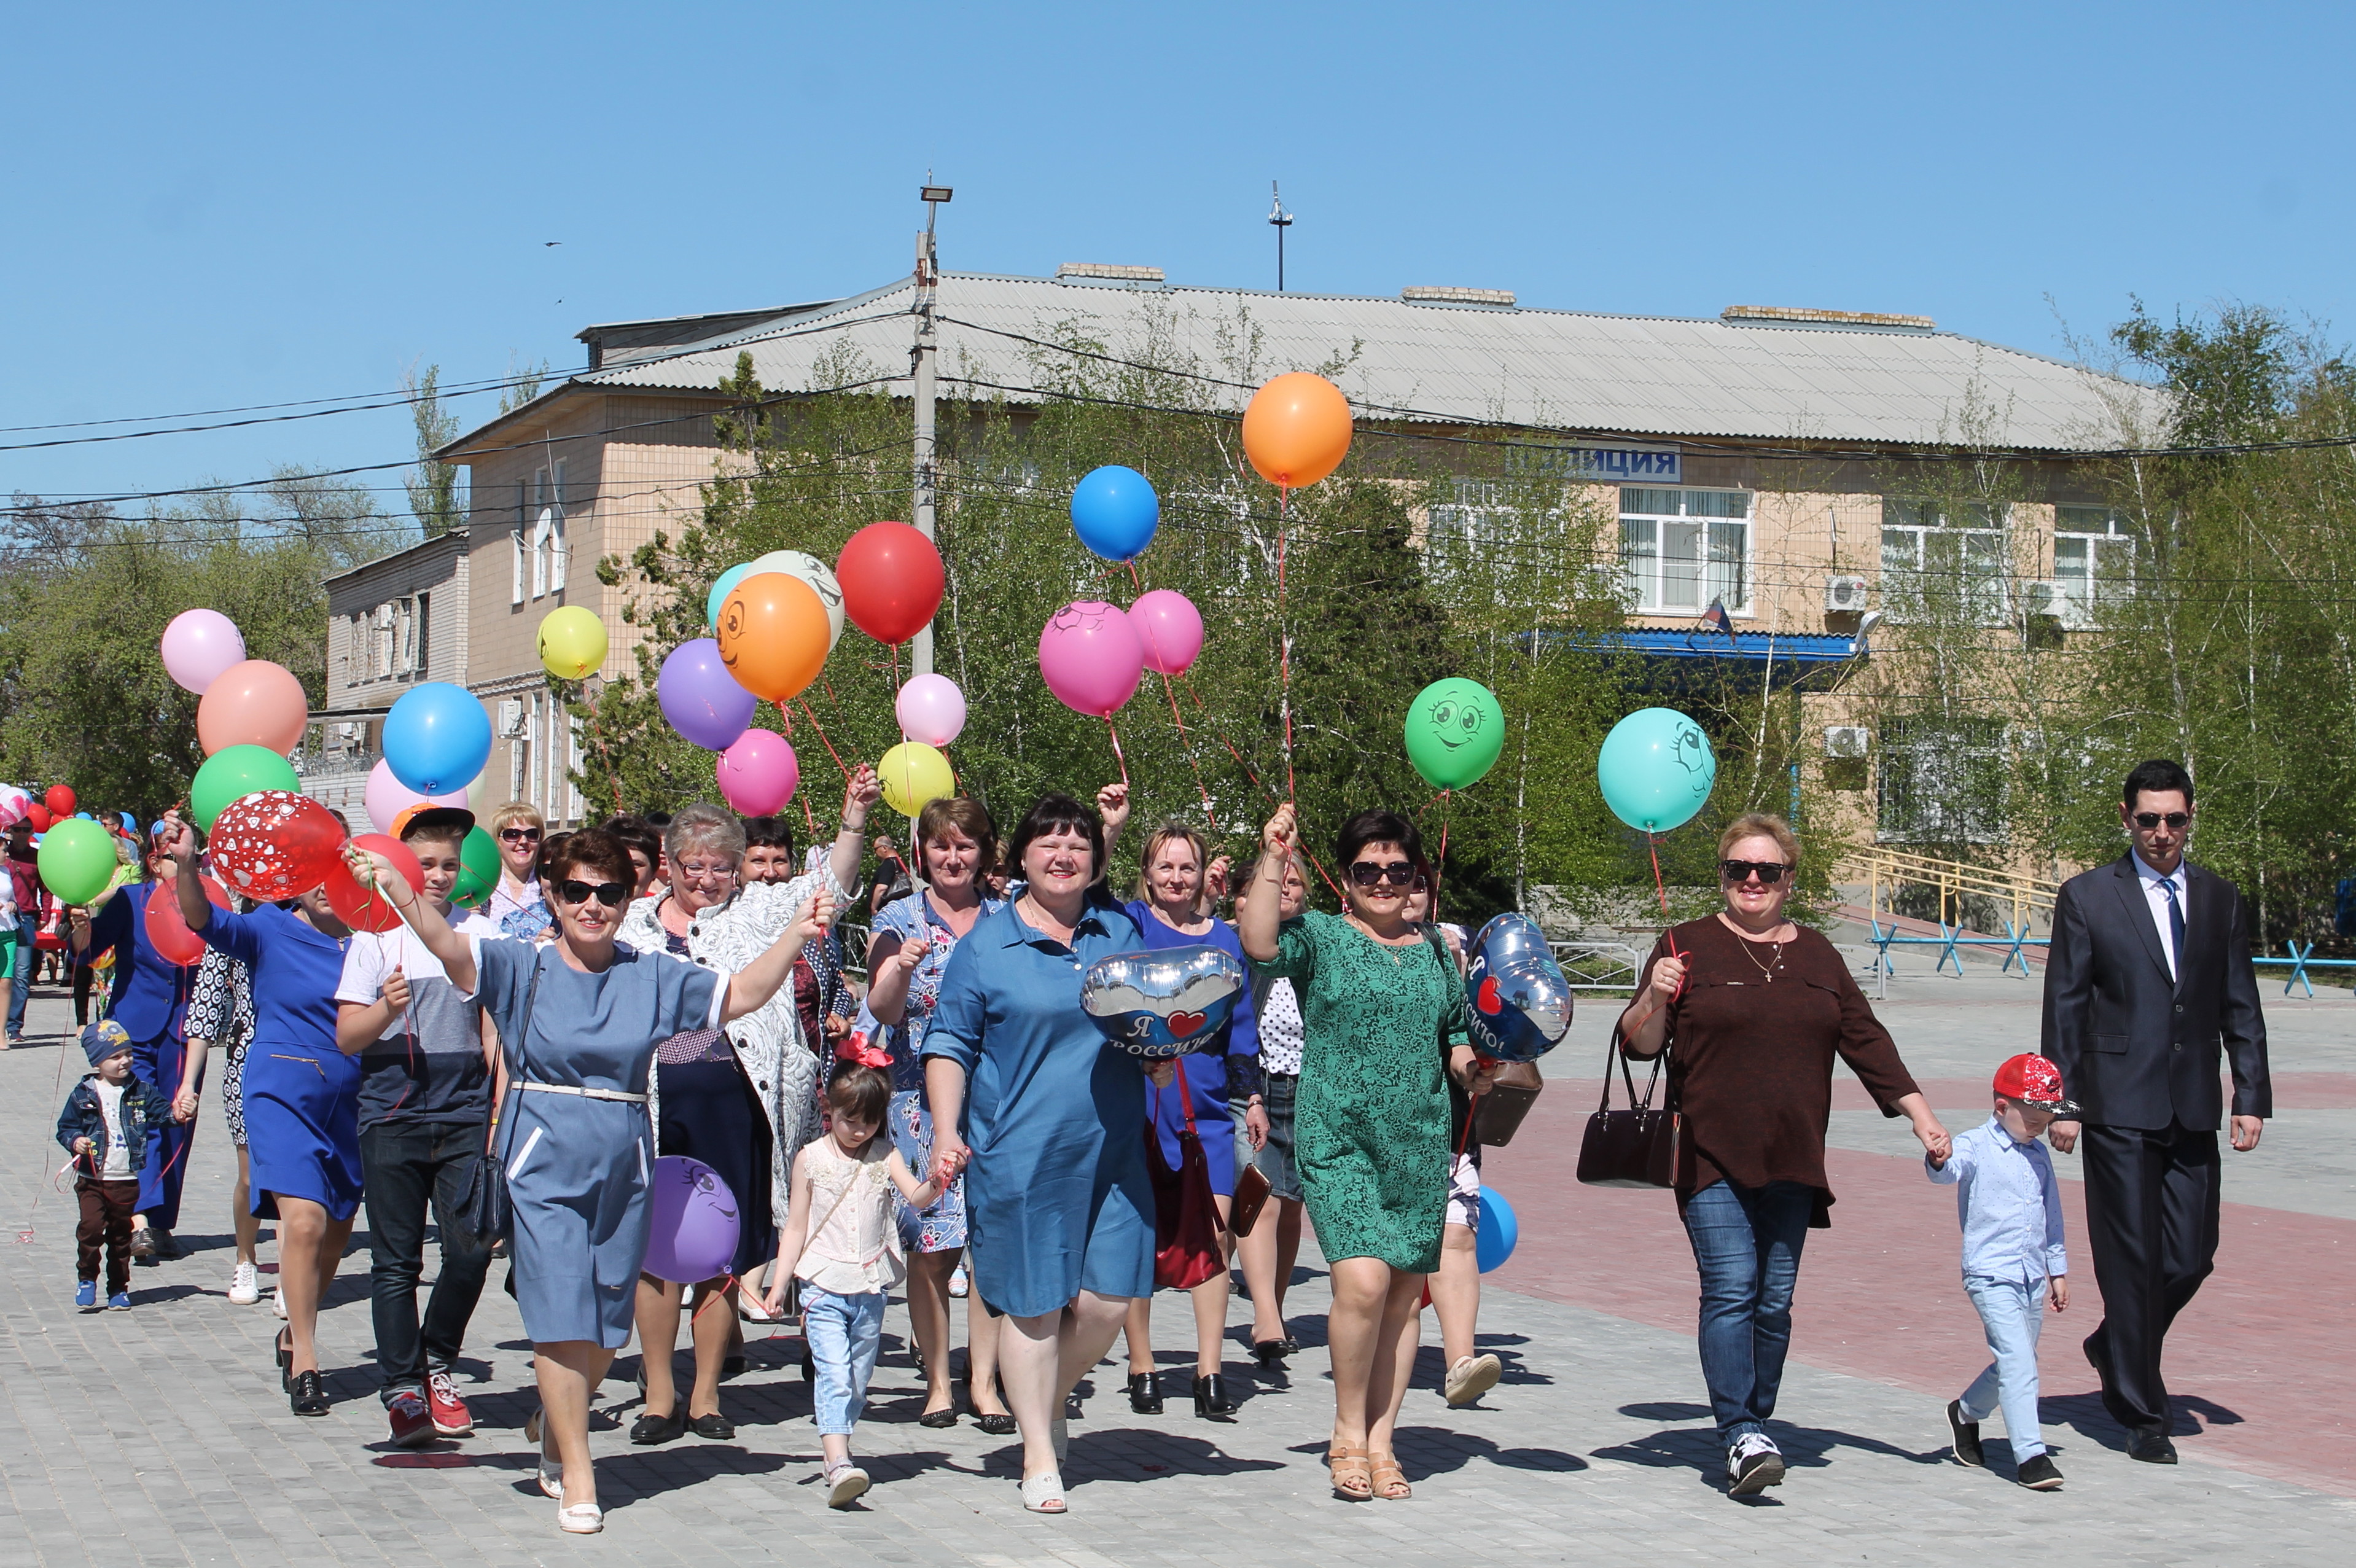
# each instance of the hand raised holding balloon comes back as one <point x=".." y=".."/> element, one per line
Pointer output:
<point x="1112" y="804"/>
<point x="1281" y="829"/>
<point x="859" y="795"/>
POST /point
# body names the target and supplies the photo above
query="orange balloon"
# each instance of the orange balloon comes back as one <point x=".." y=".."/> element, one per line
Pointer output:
<point x="254" y="703"/>
<point x="1297" y="429"/>
<point x="772" y="634"/>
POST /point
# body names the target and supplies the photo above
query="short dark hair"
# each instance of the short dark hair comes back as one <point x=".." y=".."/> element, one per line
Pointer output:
<point x="855" y="1089"/>
<point x="550" y="848"/>
<point x="769" y="832"/>
<point x="637" y="834"/>
<point x="2157" y="777"/>
<point x="593" y="849"/>
<point x="1055" y="813"/>
<point x="1375" y="826"/>
<point x="968" y="816"/>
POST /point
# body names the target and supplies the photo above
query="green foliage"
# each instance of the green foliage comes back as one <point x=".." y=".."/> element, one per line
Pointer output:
<point x="434" y="487"/>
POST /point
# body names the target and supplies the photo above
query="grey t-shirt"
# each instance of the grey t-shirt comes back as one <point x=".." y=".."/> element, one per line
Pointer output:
<point x="427" y="1067"/>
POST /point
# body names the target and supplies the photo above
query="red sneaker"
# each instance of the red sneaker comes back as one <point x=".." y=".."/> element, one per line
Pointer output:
<point x="451" y="1416"/>
<point x="413" y="1425"/>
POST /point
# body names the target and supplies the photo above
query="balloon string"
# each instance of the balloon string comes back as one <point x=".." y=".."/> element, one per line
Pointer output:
<point x="1662" y="887"/>
<point x="822" y="736"/>
<point x="1440" y="870"/>
<point x="1116" y="757"/>
<point x="1284" y="644"/>
<point x="1210" y="813"/>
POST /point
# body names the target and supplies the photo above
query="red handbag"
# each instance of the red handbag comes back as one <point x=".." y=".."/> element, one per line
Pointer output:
<point x="1186" y="1212"/>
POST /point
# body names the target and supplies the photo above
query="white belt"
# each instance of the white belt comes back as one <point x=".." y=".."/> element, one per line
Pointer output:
<point x="584" y="1093"/>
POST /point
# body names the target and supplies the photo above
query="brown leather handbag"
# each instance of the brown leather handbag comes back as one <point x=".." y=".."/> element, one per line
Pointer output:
<point x="1500" y="1112"/>
<point x="1637" y="1147"/>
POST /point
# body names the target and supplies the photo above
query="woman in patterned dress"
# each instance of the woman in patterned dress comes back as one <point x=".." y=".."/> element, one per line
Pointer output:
<point x="221" y="1013"/>
<point x="1385" y="1029"/>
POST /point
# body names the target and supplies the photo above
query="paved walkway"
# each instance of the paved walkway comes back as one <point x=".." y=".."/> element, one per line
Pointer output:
<point x="159" y="1436"/>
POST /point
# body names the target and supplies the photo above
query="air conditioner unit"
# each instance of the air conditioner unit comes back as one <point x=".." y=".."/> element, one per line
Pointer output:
<point x="1846" y="741"/>
<point x="510" y="716"/>
<point x="2060" y="600"/>
<point x="1844" y="594"/>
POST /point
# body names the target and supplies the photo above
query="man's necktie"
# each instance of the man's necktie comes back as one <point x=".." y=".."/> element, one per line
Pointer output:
<point x="2175" y="928"/>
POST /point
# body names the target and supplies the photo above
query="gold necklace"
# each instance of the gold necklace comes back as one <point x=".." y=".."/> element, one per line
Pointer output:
<point x="1768" y="970"/>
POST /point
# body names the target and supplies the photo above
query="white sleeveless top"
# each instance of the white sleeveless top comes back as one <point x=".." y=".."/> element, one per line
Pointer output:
<point x="855" y="1251"/>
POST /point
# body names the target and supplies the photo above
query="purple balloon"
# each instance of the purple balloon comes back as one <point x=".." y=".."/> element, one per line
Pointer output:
<point x="701" y="699"/>
<point x="693" y="1232"/>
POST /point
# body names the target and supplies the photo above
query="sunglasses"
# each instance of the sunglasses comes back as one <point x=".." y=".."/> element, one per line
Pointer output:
<point x="1769" y="871"/>
<point x="520" y="835"/>
<point x="613" y="895"/>
<point x="2149" y="820"/>
<point x="1367" y="873"/>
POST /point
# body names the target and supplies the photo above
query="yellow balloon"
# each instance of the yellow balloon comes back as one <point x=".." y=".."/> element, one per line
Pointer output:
<point x="914" y="773"/>
<point x="572" y="642"/>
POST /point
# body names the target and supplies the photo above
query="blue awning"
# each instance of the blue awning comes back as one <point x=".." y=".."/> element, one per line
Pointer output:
<point x="1754" y="646"/>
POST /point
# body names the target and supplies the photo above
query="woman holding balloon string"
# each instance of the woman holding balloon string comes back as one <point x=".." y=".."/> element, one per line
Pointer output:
<point x="1267" y="1254"/>
<point x="580" y="1019"/>
<point x="1384" y="1026"/>
<point x="1168" y="911"/>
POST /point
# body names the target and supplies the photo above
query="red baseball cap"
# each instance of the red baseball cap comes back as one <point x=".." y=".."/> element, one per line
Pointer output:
<point x="2031" y="1081"/>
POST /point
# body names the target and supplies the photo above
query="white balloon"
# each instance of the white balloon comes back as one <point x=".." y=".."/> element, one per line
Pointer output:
<point x="818" y="575"/>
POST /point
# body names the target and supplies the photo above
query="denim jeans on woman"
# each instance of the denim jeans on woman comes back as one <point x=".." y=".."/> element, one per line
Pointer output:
<point x="843" y="1332"/>
<point x="1746" y="1243"/>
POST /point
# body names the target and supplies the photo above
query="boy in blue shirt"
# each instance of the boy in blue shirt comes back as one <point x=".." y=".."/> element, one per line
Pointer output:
<point x="2014" y="1264"/>
<point x="105" y="1126"/>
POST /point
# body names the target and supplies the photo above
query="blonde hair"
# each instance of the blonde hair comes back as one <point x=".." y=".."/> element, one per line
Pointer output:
<point x="516" y="811"/>
<point x="1166" y="833"/>
<point x="1761" y="824"/>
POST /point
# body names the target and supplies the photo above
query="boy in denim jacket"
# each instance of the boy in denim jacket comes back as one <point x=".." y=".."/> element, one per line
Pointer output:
<point x="105" y="1126"/>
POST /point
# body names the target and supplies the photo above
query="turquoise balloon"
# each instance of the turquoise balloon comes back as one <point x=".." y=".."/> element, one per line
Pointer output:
<point x="721" y="590"/>
<point x="1656" y="769"/>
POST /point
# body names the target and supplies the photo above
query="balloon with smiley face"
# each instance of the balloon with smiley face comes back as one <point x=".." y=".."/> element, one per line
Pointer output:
<point x="1455" y="728"/>
<point x="1656" y="769"/>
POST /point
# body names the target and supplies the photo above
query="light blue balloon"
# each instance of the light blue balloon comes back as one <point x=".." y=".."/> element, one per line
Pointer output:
<point x="721" y="590"/>
<point x="1500" y="1229"/>
<point x="1115" y="512"/>
<point x="1656" y="769"/>
<point x="437" y="738"/>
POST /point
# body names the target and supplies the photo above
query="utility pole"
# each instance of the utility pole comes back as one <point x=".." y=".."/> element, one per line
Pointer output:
<point x="1282" y="220"/>
<point x="929" y="278"/>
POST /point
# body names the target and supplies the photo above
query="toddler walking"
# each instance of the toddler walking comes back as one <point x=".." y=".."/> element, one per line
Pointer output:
<point x="849" y="1254"/>
<point x="105" y="1126"/>
<point x="2014" y="1264"/>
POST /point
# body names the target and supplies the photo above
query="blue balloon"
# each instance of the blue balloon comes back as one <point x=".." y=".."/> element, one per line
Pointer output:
<point x="1656" y="769"/>
<point x="437" y="738"/>
<point x="1115" y="512"/>
<point x="1493" y="1242"/>
<point x="721" y="590"/>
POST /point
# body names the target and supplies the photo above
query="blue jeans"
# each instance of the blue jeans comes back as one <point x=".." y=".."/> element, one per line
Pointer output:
<point x="20" y="989"/>
<point x="1746" y="1243"/>
<point x="2013" y="1312"/>
<point x="843" y="1332"/>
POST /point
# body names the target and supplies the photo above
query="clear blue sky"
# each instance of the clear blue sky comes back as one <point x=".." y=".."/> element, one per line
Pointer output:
<point x="209" y="206"/>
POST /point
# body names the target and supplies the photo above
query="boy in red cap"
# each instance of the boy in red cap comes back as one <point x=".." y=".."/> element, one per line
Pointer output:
<point x="2014" y="1264"/>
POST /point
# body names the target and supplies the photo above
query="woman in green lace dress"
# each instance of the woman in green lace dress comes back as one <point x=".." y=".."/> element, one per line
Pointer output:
<point x="1384" y="1018"/>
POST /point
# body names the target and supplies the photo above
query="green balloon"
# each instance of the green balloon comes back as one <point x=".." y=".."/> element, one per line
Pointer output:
<point x="1455" y="728"/>
<point x="234" y="772"/>
<point x="77" y="860"/>
<point x="478" y="870"/>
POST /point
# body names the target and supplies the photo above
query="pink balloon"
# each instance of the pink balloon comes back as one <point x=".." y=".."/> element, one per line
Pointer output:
<point x="758" y="773"/>
<point x="930" y="709"/>
<point x="387" y="797"/>
<point x="1091" y="658"/>
<point x="1170" y="629"/>
<point x="199" y="646"/>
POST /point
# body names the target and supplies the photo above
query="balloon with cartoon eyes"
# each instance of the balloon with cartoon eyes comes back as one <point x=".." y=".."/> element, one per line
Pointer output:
<point x="1455" y="729"/>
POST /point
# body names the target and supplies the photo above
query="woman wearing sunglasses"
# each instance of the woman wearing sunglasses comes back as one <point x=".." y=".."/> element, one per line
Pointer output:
<point x="516" y="907"/>
<point x="1752" y="1009"/>
<point x="1384" y="1026"/>
<point x="579" y="1019"/>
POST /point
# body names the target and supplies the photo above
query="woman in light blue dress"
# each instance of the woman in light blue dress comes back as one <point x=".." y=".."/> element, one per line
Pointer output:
<point x="1046" y="1119"/>
<point x="579" y="1020"/>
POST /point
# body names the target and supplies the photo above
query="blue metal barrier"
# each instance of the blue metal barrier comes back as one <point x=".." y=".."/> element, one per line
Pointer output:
<point x="2300" y="964"/>
<point x="2016" y="938"/>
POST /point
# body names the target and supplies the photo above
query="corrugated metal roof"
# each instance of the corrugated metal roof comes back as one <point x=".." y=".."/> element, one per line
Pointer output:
<point x="1650" y="376"/>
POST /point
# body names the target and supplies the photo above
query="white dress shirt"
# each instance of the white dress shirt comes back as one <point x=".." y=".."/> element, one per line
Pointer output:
<point x="2153" y="883"/>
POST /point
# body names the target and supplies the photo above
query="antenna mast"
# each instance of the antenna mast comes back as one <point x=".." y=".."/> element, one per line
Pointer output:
<point x="1281" y="221"/>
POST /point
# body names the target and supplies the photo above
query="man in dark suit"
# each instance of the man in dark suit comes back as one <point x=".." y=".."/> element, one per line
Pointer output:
<point x="2147" y="982"/>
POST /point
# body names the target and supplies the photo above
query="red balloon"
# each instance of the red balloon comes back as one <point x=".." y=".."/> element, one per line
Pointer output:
<point x="60" y="800"/>
<point x="366" y="908"/>
<point x="274" y="844"/>
<point x="891" y="580"/>
<point x="167" y="933"/>
<point x="39" y="815"/>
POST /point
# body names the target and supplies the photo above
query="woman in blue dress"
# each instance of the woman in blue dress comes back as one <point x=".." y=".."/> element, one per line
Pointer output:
<point x="579" y="1019"/>
<point x="1168" y="911"/>
<point x="1043" y="1116"/>
<point x="301" y="1097"/>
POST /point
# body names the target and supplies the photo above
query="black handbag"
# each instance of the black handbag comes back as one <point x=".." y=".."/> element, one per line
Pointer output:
<point x="485" y="1210"/>
<point x="1638" y="1146"/>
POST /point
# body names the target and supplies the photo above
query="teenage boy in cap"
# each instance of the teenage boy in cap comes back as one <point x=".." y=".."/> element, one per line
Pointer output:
<point x="426" y="1055"/>
<point x="2014" y="1264"/>
<point x="104" y="1127"/>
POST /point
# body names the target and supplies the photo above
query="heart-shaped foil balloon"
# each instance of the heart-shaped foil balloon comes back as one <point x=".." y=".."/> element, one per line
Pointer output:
<point x="1162" y="1002"/>
<point x="1518" y="999"/>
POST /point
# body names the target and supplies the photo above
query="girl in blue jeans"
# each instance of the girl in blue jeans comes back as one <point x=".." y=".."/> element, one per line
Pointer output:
<point x="849" y="1254"/>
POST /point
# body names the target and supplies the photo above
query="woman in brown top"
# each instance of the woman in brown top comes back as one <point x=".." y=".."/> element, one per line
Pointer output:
<point x="1753" y="1010"/>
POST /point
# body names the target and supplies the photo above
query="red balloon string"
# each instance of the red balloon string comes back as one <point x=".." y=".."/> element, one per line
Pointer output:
<point x="1440" y="869"/>
<point x="1653" y="845"/>
<point x="1209" y="813"/>
<point x="1116" y="757"/>
<point x="1284" y="642"/>
<point x="812" y="713"/>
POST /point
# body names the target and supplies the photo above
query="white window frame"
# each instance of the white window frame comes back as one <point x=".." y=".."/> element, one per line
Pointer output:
<point x="1714" y="548"/>
<point x="2104" y="572"/>
<point x="514" y="548"/>
<point x="1935" y="762"/>
<point x="1914" y="530"/>
<point x="381" y="643"/>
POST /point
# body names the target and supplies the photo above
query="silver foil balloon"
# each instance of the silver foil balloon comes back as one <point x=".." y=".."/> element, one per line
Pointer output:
<point x="1514" y="991"/>
<point x="1165" y="1001"/>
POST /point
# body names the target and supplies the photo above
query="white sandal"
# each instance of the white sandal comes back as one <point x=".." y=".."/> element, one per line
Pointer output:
<point x="1043" y="1493"/>
<point x="581" y="1519"/>
<point x="552" y="1476"/>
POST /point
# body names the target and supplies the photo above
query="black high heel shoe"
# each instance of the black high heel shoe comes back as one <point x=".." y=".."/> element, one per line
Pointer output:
<point x="307" y="1395"/>
<point x="1211" y="1400"/>
<point x="1144" y="1393"/>
<point x="1271" y="1353"/>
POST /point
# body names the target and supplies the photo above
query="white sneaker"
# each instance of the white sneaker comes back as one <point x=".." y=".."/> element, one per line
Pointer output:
<point x="957" y="1282"/>
<point x="244" y="1286"/>
<point x="844" y="1484"/>
<point x="278" y="1302"/>
<point x="1754" y="1464"/>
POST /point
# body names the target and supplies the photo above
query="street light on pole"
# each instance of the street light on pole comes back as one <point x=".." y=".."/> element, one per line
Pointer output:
<point x="1281" y="221"/>
<point x="929" y="278"/>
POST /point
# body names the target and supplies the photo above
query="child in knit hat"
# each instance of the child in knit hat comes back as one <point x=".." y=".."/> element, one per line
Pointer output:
<point x="104" y="1127"/>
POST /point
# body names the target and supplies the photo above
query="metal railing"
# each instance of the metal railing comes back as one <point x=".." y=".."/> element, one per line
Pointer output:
<point x="1598" y="966"/>
<point x="1887" y="870"/>
<point x="2300" y="964"/>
